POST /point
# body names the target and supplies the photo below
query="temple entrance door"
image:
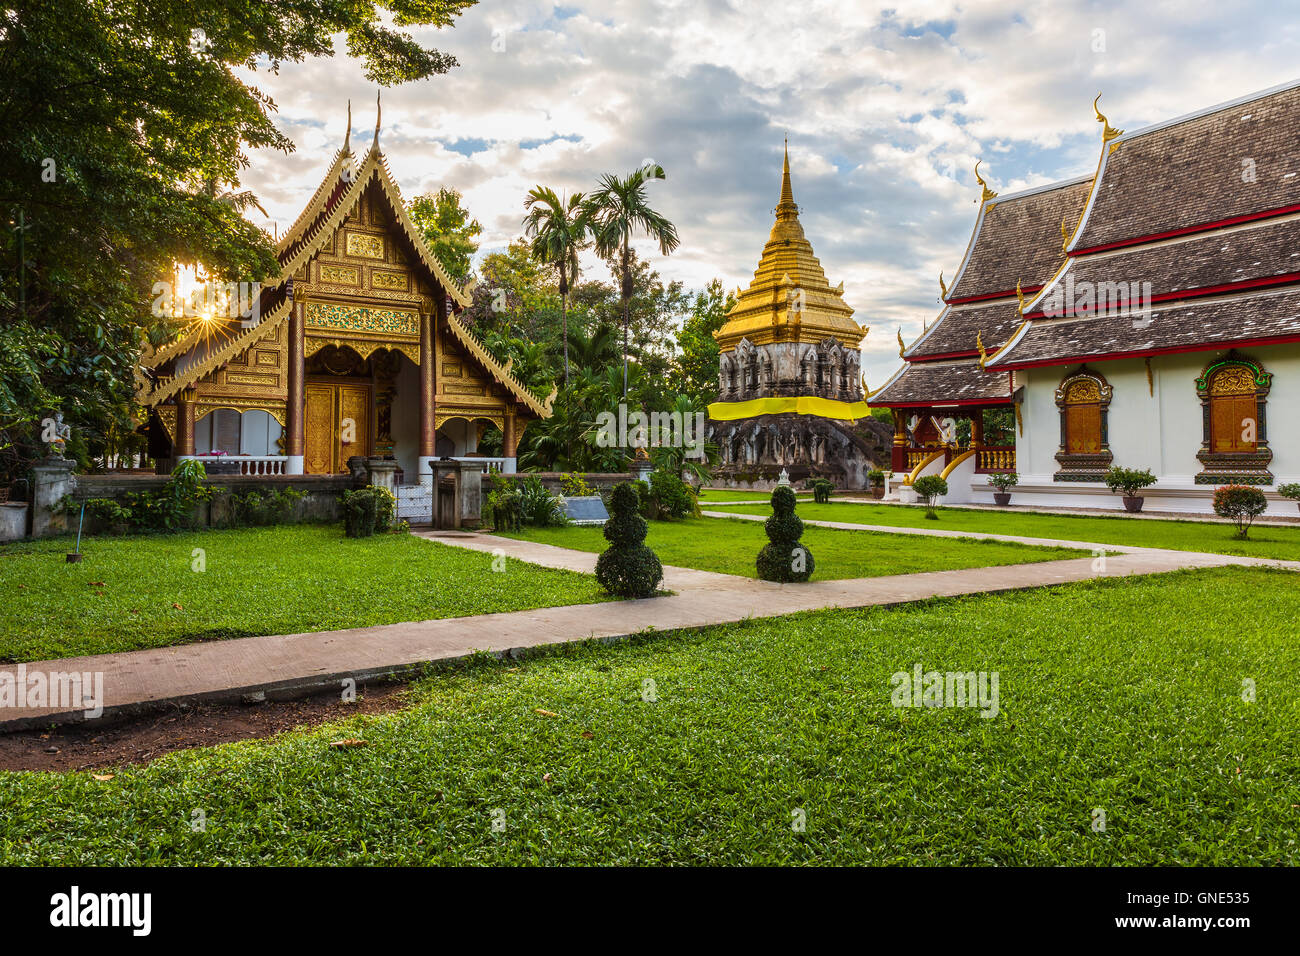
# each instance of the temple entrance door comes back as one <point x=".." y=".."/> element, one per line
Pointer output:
<point x="337" y="426"/>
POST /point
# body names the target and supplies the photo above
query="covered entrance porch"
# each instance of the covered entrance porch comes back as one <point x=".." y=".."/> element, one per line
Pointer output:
<point x="956" y="442"/>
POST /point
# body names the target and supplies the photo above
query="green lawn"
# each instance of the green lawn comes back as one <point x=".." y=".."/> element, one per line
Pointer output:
<point x="710" y="495"/>
<point x="143" y="591"/>
<point x="732" y="546"/>
<point x="756" y="722"/>
<point x="1264" y="542"/>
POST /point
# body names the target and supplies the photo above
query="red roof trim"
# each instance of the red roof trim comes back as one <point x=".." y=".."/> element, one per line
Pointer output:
<point x="940" y="356"/>
<point x="1196" y="293"/>
<point x="1142" y="353"/>
<point x="1203" y="227"/>
<point x="1025" y="289"/>
<point x="965" y="402"/>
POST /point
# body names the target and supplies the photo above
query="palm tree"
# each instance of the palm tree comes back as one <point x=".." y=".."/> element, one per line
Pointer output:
<point x="595" y="350"/>
<point x="558" y="231"/>
<point x="616" y="210"/>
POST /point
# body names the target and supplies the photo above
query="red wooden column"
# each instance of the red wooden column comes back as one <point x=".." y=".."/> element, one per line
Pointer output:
<point x="899" y="462"/>
<point x="428" y="402"/>
<point x="185" y="423"/>
<point x="296" y="401"/>
<point x="509" y="438"/>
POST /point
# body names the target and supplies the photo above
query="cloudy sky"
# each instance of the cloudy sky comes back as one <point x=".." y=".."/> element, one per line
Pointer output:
<point x="887" y="107"/>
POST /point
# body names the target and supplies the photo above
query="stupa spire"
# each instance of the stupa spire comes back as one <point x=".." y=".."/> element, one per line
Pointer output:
<point x="790" y="298"/>
<point x="786" y="209"/>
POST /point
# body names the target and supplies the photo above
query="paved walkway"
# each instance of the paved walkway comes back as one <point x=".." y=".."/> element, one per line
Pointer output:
<point x="290" y="664"/>
<point x="1013" y="538"/>
<point x="1272" y="521"/>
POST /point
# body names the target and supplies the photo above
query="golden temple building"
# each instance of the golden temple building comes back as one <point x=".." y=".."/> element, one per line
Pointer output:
<point x="356" y="348"/>
<point x="789" y="379"/>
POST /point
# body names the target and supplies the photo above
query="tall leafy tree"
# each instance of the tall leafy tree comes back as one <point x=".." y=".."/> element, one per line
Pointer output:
<point x="558" y="231"/>
<point x="616" y="210"/>
<point x="124" y="128"/>
<point x="696" y="374"/>
<point x="447" y="228"/>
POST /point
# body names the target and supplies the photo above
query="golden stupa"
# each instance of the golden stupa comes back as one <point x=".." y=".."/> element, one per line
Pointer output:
<point x="772" y="309"/>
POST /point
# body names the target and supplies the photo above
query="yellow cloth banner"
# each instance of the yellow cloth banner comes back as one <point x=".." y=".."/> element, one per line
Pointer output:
<point x="800" y="405"/>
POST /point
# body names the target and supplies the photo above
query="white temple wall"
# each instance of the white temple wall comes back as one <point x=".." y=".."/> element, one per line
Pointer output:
<point x="406" y="420"/>
<point x="1157" y="427"/>
<point x="253" y="432"/>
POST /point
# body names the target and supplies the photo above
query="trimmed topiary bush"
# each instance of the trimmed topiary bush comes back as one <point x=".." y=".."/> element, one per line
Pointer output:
<point x="821" y="489"/>
<point x="784" y="558"/>
<point x="1242" y="503"/>
<point x="928" y="488"/>
<point x="627" y="568"/>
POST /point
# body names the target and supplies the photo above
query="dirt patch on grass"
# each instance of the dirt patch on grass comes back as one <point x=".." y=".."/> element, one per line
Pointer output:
<point x="86" y="747"/>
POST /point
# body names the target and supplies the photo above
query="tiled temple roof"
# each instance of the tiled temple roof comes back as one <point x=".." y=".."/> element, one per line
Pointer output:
<point x="1231" y="160"/>
<point x="943" y="383"/>
<point x="960" y="327"/>
<point x="338" y="195"/>
<point x="1253" y="253"/>
<point x="1219" y="322"/>
<point x="1176" y="207"/>
<point x="1018" y="239"/>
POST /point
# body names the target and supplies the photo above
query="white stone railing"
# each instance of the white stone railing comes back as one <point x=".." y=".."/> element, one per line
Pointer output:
<point x="260" y="464"/>
<point x="490" y="465"/>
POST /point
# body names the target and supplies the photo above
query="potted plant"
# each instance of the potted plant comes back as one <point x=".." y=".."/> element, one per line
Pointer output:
<point x="1129" y="481"/>
<point x="876" y="478"/>
<point x="1003" y="482"/>
<point x="1291" y="491"/>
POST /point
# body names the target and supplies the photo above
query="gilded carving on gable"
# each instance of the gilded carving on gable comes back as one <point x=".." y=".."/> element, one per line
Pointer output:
<point x="347" y="275"/>
<point x="329" y="315"/>
<point x="388" y="280"/>
<point x="365" y="246"/>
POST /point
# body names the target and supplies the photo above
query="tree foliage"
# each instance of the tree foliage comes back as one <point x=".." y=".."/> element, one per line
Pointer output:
<point x="124" y="129"/>
<point x="696" y="374"/>
<point x="447" y="229"/>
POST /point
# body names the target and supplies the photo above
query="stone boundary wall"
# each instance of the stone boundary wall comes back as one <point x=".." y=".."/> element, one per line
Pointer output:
<point x="319" y="504"/>
<point x="553" y="481"/>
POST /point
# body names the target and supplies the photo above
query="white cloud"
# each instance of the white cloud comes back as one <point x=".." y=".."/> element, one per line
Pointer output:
<point x="887" y="106"/>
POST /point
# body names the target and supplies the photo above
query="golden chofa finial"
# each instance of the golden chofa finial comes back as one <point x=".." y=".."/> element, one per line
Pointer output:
<point x="943" y="288"/>
<point x="1021" y="296"/>
<point x="901" y="347"/>
<point x="979" y="344"/>
<point x="987" y="193"/>
<point x="1109" y="132"/>
<point x="347" y="137"/>
<point x="378" y="114"/>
